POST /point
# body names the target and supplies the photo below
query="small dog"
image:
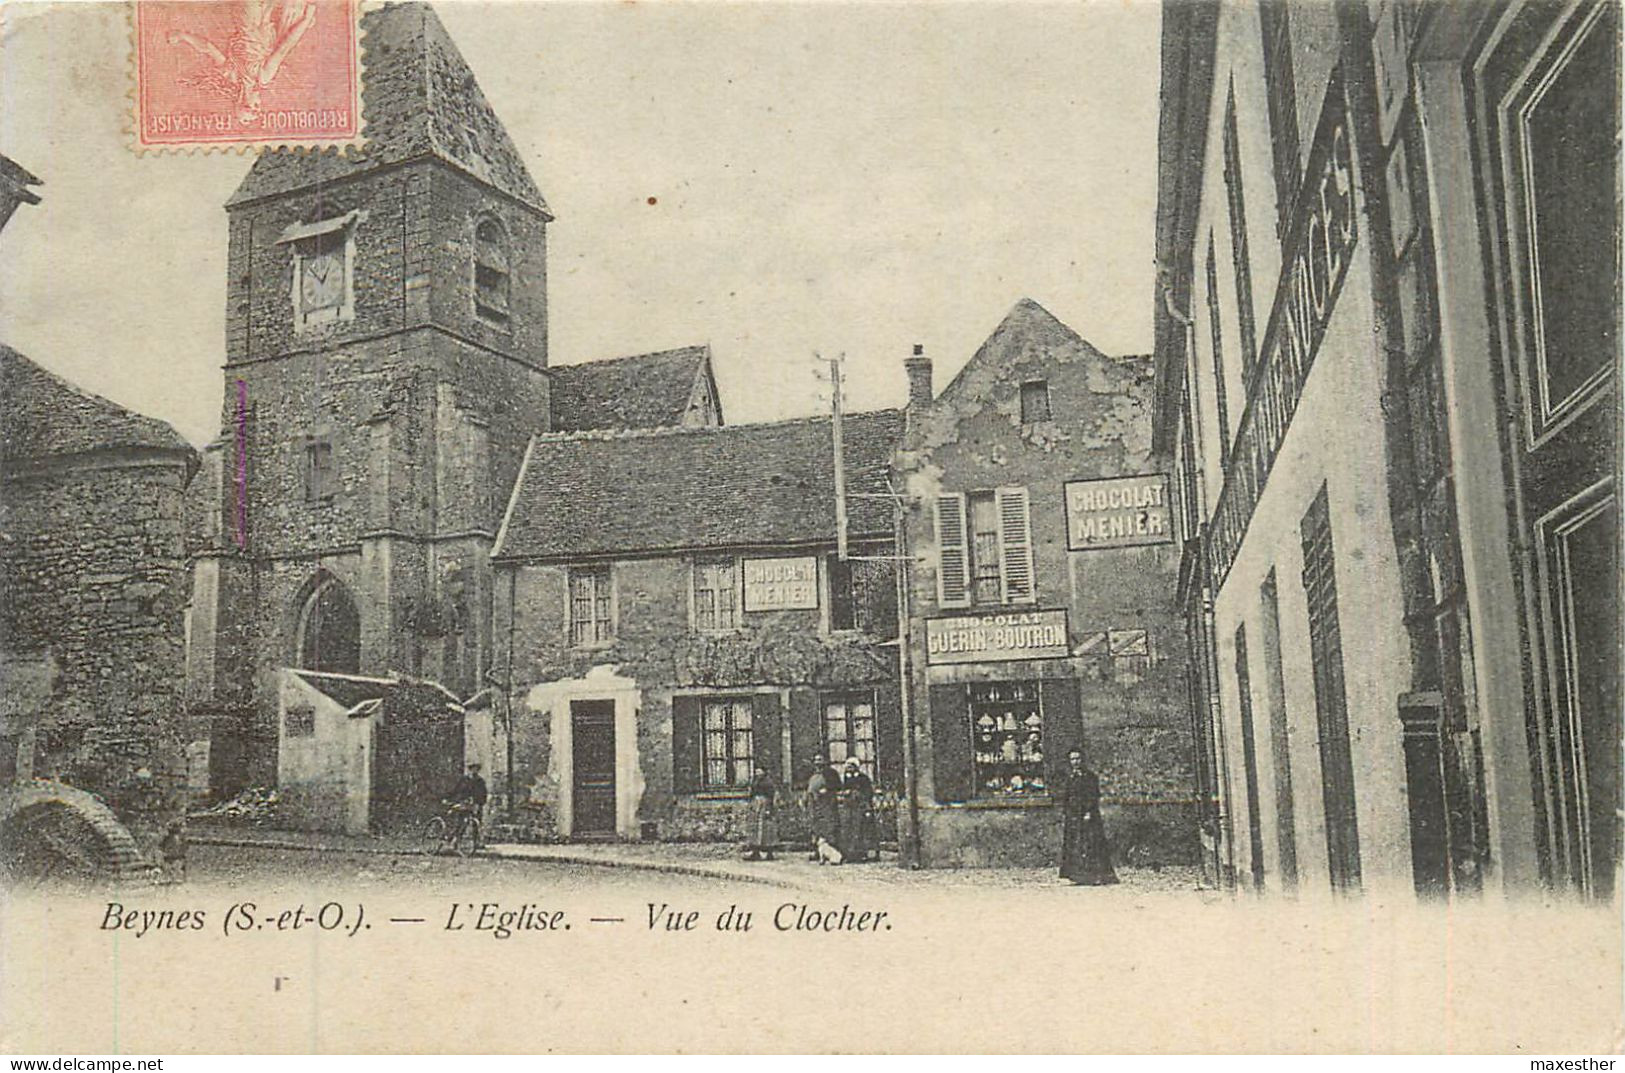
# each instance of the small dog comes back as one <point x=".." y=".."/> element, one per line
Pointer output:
<point x="828" y="854"/>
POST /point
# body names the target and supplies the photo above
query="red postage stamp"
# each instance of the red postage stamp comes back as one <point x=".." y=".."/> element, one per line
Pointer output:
<point x="246" y="73"/>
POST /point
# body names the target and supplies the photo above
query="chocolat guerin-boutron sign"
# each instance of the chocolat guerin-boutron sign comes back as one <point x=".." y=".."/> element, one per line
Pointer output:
<point x="1118" y="512"/>
<point x="993" y="638"/>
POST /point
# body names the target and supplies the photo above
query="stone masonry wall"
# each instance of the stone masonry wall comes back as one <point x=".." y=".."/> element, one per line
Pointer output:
<point x="786" y="652"/>
<point x="427" y="408"/>
<point x="93" y="575"/>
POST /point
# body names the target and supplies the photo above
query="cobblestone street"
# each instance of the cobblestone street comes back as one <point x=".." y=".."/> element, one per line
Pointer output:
<point x="221" y="857"/>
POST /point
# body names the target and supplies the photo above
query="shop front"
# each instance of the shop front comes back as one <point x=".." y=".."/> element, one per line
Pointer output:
<point x="1004" y="710"/>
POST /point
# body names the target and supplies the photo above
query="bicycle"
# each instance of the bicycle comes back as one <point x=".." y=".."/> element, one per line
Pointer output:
<point x="456" y="828"/>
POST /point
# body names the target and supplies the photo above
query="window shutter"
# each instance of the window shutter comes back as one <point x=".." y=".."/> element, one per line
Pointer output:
<point x="1058" y="702"/>
<point x="766" y="731"/>
<point x="951" y="774"/>
<point x="843" y="614"/>
<point x="685" y="744"/>
<point x="953" y="573"/>
<point x="889" y="736"/>
<point x="1015" y="546"/>
<point x="806" y="736"/>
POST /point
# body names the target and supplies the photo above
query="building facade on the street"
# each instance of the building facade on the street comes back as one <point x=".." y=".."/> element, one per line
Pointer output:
<point x="672" y="611"/>
<point x="358" y="754"/>
<point x="1040" y="612"/>
<point x="1386" y="332"/>
<point x="92" y="586"/>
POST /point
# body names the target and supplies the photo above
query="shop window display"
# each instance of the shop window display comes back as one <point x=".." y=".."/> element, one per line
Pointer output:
<point x="1008" y="730"/>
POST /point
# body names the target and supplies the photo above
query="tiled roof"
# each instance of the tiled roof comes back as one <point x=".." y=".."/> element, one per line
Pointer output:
<point x="43" y="416"/>
<point x="642" y="391"/>
<point x="419" y="99"/>
<point x="729" y="486"/>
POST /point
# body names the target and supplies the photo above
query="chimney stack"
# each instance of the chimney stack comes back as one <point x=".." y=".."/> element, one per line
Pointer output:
<point x="919" y="378"/>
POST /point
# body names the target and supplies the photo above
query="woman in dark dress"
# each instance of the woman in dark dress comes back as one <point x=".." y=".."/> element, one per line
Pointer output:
<point x="821" y="790"/>
<point x="764" y="827"/>
<point x="1085" y="856"/>
<point x="857" y="813"/>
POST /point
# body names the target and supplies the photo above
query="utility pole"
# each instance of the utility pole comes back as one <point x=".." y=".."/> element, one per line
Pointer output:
<point x="901" y="563"/>
<point x="836" y="375"/>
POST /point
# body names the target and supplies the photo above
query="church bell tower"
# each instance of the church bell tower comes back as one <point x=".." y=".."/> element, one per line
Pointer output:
<point x="386" y="348"/>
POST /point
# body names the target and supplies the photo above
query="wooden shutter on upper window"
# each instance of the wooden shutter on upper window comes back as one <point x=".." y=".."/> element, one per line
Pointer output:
<point x="953" y="565"/>
<point x="1015" y="546"/>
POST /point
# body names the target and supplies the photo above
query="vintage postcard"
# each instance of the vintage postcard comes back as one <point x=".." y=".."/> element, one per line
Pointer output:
<point x="785" y="527"/>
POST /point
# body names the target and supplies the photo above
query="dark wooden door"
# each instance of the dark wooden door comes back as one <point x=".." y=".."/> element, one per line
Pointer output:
<point x="1551" y="88"/>
<point x="592" y="751"/>
<point x="1331" y="700"/>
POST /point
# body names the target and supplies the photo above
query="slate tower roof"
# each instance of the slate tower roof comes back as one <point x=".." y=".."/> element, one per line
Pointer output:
<point x="419" y="100"/>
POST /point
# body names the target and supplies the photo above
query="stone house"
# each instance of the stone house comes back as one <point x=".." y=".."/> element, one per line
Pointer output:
<point x="671" y="611"/>
<point x="1386" y="347"/>
<point x="1040" y="612"/>
<point x="92" y="591"/>
<point x="359" y="754"/>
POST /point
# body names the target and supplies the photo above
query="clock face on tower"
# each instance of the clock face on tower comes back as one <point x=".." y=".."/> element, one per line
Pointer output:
<point x="321" y="281"/>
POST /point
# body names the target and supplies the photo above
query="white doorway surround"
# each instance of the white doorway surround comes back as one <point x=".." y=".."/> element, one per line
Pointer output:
<point x="552" y="701"/>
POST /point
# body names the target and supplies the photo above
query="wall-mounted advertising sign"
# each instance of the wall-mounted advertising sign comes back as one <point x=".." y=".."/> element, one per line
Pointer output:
<point x="781" y="584"/>
<point x="996" y="638"/>
<point x="1118" y="512"/>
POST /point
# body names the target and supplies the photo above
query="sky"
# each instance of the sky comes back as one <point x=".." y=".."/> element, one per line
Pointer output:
<point x="773" y="179"/>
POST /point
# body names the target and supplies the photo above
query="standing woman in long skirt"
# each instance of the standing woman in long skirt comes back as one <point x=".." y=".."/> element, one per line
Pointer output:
<point x="1085" y="856"/>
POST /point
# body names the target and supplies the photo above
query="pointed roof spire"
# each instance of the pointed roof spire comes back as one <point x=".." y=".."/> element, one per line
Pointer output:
<point x="419" y="100"/>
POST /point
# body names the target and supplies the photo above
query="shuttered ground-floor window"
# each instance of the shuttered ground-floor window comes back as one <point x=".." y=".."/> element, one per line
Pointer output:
<point x="718" y="740"/>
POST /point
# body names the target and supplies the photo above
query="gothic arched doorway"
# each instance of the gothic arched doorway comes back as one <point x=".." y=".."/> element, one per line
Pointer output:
<point x="329" y="636"/>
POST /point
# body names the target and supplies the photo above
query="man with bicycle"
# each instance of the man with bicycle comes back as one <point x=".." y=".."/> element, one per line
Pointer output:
<point x="465" y="806"/>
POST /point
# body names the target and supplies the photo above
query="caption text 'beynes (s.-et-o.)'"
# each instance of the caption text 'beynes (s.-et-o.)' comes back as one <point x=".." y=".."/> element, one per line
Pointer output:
<point x="499" y="920"/>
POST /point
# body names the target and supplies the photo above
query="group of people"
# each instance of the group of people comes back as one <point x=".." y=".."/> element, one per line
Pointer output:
<point x="840" y="811"/>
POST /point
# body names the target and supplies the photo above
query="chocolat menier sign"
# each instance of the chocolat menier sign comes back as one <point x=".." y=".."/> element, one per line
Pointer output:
<point x="1118" y="512"/>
